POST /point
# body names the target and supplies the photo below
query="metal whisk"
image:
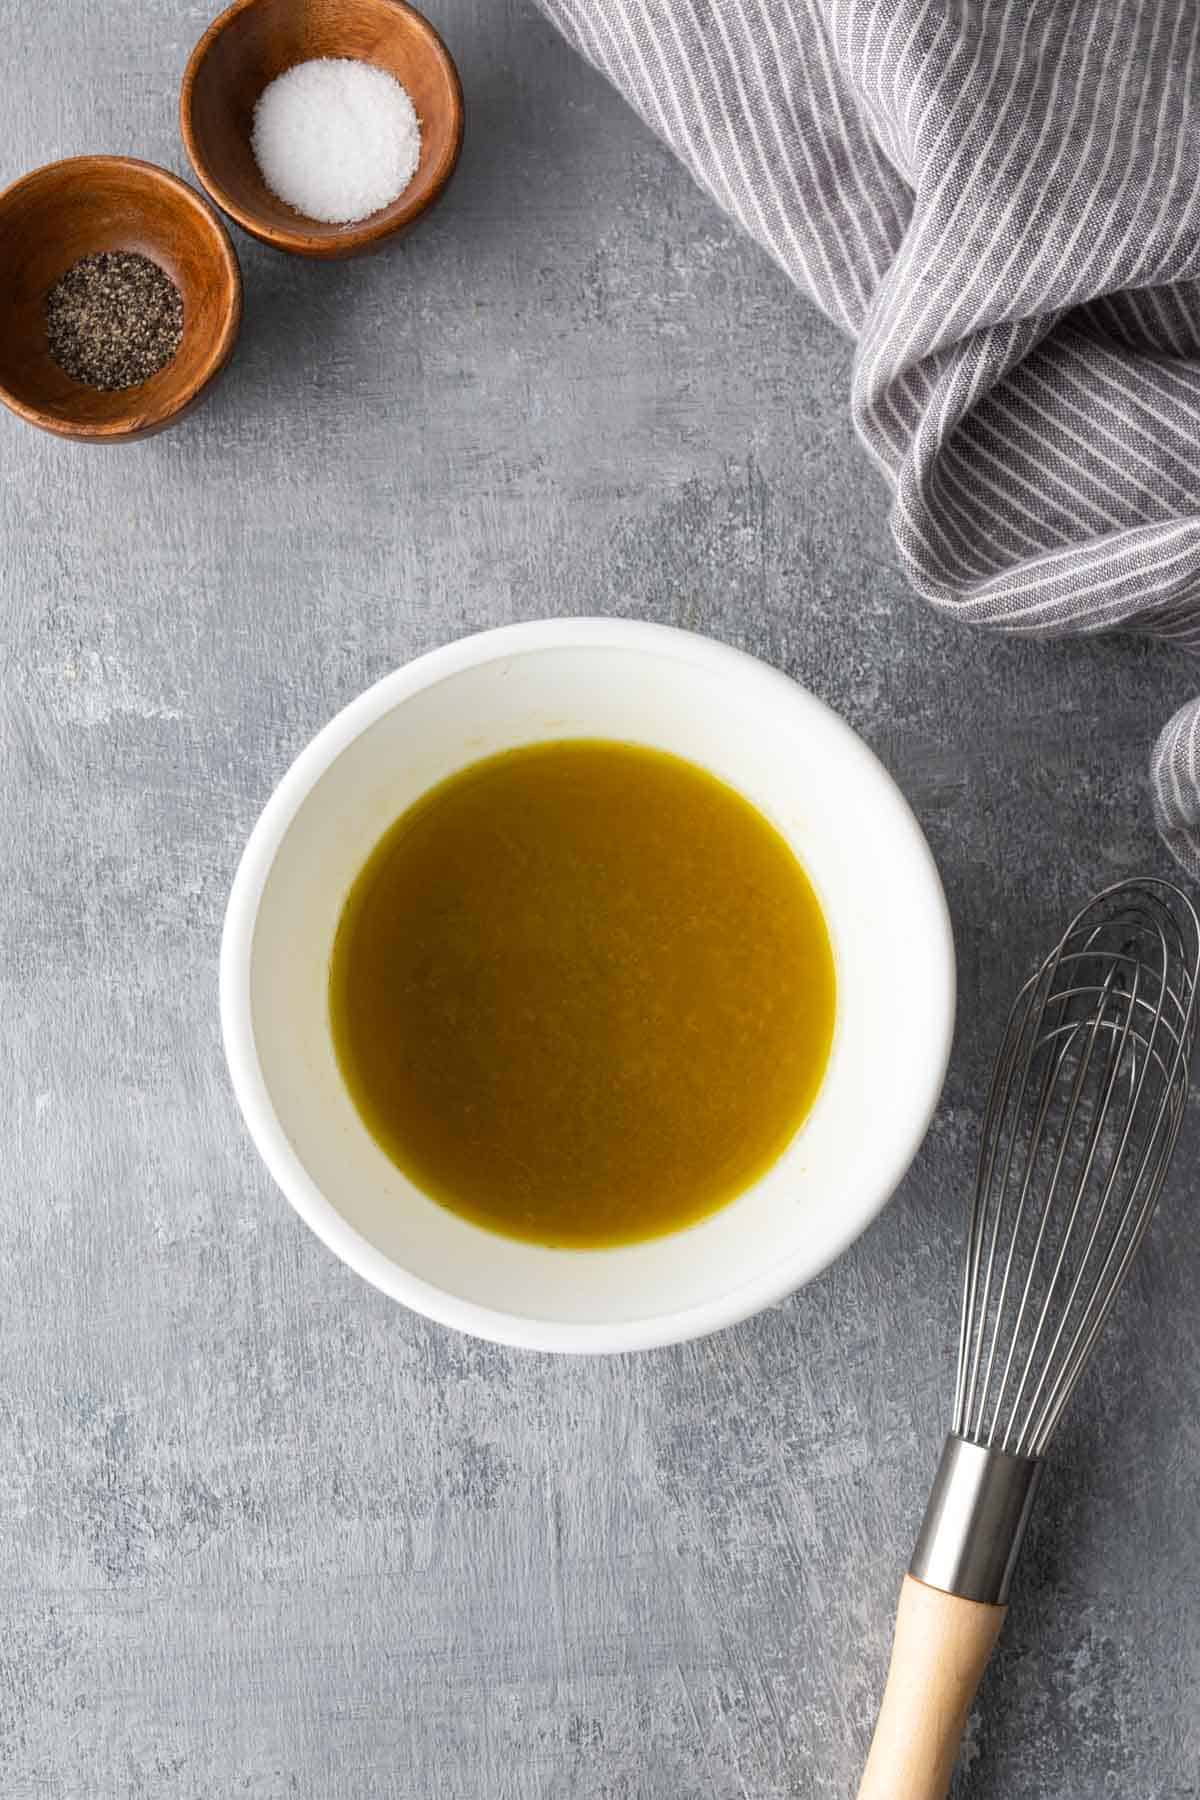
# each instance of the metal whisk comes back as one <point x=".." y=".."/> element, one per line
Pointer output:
<point x="1086" y="1102"/>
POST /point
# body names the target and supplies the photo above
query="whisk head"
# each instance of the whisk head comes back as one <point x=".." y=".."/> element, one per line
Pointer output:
<point x="1085" y="1106"/>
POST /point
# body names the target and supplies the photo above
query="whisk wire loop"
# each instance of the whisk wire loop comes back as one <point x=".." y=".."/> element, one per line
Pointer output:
<point x="1084" y="1109"/>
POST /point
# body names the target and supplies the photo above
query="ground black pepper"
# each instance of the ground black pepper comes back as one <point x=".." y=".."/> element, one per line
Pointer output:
<point x="113" y="319"/>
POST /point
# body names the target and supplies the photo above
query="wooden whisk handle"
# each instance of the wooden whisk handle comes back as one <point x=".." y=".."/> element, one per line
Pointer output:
<point x="939" y="1653"/>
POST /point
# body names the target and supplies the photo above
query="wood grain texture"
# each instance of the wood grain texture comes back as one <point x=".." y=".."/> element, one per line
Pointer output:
<point x="940" y="1650"/>
<point x="254" y="41"/>
<point x="54" y="216"/>
<point x="264" y="1534"/>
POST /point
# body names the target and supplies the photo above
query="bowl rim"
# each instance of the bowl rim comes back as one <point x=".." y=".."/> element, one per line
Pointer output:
<point x="300" y="241"/>
<point x="181" y="397"/>
<point x="250" y="1088"/>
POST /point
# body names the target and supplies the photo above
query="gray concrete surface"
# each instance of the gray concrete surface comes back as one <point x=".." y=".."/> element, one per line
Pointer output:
<point x="261" y="1532"/>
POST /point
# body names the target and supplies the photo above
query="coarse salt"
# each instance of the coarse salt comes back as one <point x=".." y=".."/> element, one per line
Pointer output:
<point x="336" y="138"/>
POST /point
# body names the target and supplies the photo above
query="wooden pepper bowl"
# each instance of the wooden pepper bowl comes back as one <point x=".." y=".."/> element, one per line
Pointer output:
<point x="67" y="210"/>
<point x="256" y="40"/>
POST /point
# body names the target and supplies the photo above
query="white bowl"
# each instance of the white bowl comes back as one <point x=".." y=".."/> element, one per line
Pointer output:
<point x="806" y="771"/>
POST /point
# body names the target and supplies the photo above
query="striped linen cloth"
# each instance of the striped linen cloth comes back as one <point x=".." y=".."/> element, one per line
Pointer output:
<point x="999" y="200"/>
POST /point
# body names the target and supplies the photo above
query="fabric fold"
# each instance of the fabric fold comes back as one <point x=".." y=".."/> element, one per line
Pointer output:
<point x="1000" y="203"/>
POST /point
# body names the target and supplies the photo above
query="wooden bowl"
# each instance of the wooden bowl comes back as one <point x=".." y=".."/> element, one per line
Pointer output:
<point x="256" y="40"/>
<point x="78" y="207"/>
<point x="54" y="216"/>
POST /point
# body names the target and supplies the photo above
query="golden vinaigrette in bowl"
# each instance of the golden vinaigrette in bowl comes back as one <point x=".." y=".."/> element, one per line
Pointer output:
<point x="509" y="1000"/>
<point x="582" y="993"/>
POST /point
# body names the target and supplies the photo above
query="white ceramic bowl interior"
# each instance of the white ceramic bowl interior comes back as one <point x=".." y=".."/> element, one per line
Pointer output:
<point x="785" y="751"/>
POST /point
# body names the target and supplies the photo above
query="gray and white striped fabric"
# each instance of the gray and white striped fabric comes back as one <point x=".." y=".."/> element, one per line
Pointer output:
<point x="999" y="200"/>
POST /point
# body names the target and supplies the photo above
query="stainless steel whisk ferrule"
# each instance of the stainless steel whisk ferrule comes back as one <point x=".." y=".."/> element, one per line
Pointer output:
<point x="975" y="1521"/>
